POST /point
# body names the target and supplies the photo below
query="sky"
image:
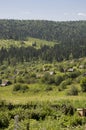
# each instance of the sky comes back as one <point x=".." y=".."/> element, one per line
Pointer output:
<point x="53" y="10"/>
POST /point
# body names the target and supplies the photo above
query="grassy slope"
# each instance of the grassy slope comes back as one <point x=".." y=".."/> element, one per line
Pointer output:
<point x="37" y="94"/>
<point x="37" y="91"/>
<point x="32" y="96"/>
<point x="39" y="42"/>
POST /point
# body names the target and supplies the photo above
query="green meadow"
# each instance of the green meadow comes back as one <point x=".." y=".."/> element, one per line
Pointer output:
<point x="28" y="42"/>
<point x="43" y="100"/>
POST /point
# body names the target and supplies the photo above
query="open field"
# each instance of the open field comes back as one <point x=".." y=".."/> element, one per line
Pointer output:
<point x="29" y="42"/>
<point x="35" y="94"/>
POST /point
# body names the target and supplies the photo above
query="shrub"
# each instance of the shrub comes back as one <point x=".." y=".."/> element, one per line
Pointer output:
<point x="58" y="79"/>
<point x="3" y="67"/>
<point x="47" y="78"/>
<point x="4" y="120"/>
<point x="76" y="120"/>
<point x="72" y="91"/>
<point x="2" y="103"/>
<point x="24" y="88"/>
<point x="28" y="79"/>
<point x="83" y="84"/>
<point x="16" y="87"/>
<point x="68" y="110"/>
<point x="74" y="74"/>
<point x="49" y="88"/>
<point x="33" y="75"/>
<point x="78" y="79"/>
<point x="65" y="83"/>
<point x="60" y="68"/>
<point x="20" y="87"/>
<point x="20" y="80"/>
<point x="0" y="81"/>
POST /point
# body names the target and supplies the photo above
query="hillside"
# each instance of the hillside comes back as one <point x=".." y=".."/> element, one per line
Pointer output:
<point x="71" y="32"/>
<point x="35" y="42"/>
<point x="46" y="81"/>
<point x="38" y="39"/>
<point x="42" y="75"/>
<point x="41" y="93"/>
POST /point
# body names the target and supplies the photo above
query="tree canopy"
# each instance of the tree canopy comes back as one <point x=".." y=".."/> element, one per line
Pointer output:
<point x="71" y="37"/>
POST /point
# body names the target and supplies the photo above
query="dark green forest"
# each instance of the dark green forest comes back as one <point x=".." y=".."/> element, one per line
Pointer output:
<point x="71" y="37"/>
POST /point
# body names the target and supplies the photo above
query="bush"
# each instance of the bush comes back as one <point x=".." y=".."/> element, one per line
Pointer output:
<point x="73" y="91"/>
<point x="16" y="87"/>
<point x="4" y="120"/>
<point x="76" y="120"/>
<point x="68" y="110"/>
<point x="20" y="87"/>
<point x="60" y="68"/>
<point x="58" y="79"/>
<point x="49" y="88"/>
<point x="47" y="78"/>
<point x="74" y="74"/>
<point x="0" y="81"/>
<point x="33" y="75"/>
<point x="65" y="83"/>
<point x="78" y="79"/>
<point x="83" y="84"/>
<point x="24" y="88"/>
<point x="20" y="80"/>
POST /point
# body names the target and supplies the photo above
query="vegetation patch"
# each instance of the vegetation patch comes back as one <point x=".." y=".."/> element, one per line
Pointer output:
<point x="20" y="87"/>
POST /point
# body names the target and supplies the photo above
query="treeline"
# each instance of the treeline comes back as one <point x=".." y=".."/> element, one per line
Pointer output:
<point x="71" y="37"/>
<point x="65" y="32"/>
<point x="57" y="53"/>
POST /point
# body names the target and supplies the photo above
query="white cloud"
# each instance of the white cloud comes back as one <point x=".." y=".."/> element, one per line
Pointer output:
<point x="82" y="14"/>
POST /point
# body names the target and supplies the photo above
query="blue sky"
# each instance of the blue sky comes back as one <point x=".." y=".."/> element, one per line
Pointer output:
<point x="56" y="10"/>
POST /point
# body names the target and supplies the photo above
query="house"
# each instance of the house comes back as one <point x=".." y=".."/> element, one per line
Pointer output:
<point x="70" y="70"/>
<point x="81" y="111"/>
<point x="81" y="67"/>
<point x="6" y="83"/>
<point x="51" y="72"/>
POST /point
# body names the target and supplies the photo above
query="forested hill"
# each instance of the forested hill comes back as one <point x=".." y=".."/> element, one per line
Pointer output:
<point x="70" y="35"/>
<point x="63" y="32"/>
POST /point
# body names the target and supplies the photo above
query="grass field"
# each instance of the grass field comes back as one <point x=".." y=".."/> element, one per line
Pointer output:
<point x="37" y="94"/>
<point x="38" y="91"/>
<point x="7" y="43"/>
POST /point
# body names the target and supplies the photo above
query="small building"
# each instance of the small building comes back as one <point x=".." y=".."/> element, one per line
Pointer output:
<point x="51" y="72"/>
<point x="6" y="83"/>
<point x="81" y="111"/>
<point x="70" y="70"/>
<point x="81" y="67"/>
